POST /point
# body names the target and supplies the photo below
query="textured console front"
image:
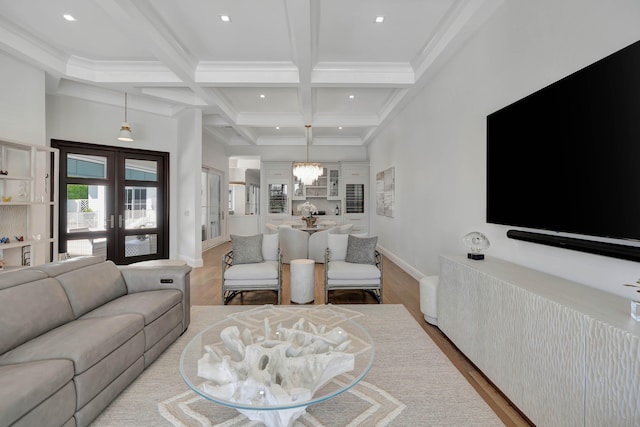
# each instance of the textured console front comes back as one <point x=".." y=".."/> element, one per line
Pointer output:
<point x="546" y="342"/>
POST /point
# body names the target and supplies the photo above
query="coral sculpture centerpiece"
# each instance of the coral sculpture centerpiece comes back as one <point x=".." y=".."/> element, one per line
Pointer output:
<point x="272" y="373"/>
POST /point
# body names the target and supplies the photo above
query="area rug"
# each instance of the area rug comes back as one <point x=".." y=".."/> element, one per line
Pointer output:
<point x="411" y="383"/>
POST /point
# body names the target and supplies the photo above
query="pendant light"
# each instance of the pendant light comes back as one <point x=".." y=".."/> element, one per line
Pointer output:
<point x="307" y="172"/>
<point x="125" y="129"/>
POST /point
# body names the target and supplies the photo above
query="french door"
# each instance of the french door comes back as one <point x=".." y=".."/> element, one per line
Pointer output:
<point x="113" y="202"/>
<point x="213" y="206"/>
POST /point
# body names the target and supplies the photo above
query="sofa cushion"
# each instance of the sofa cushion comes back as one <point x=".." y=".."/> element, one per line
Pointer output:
<point x="31" y="309"/>
<point x="342" y="270"/>
<point x="13" y="278"/>
<point x="150" y="305"/>
<point x="261" y="270"/>
<point x="246" y="249"/>
<point x="24" y="386"/>
<point x="85" y="342"/>
<point x="57" y="268"/>
<point x="92" y="286"/>
<point x="361" y="250"/>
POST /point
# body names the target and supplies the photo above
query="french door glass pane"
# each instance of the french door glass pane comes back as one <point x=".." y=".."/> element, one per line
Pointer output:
<point x="140" y="207"/>
<point x="140" y="170"/>
<point x="215" y="211"/>
<point x="85" y="166"/>
<point x="86" y="207"/>
<point x="144" y="244"/>
<point x="83" y="247"/>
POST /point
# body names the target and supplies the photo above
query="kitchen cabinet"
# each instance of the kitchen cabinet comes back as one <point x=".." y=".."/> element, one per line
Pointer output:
<point x="28" y="208"/>
<point x="277" y="184"/>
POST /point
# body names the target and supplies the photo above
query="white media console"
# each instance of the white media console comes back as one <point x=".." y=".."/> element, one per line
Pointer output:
<point x="564" y="353"/>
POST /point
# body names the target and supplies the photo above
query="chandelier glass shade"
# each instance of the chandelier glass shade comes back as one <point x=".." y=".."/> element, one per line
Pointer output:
<point x="307" y="172"/>
<point x="125" y="128"/>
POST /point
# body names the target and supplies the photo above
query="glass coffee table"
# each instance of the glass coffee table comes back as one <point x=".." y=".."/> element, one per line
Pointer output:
<point x="270" y="363"/>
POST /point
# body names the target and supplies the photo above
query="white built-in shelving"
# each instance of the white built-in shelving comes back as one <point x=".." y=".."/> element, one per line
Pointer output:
<point x="28" y="207"/>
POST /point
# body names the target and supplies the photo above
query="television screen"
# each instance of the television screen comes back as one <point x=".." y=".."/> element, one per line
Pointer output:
<point x="567" y="157"/>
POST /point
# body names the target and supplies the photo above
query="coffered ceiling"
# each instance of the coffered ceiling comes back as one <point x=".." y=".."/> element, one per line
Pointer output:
<point x="259" y="78"/>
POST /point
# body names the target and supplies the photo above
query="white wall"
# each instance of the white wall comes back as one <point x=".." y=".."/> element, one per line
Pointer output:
<point x="437" y="144"/>
<point x="189" y="169"/>
<point x="22" y="102"/>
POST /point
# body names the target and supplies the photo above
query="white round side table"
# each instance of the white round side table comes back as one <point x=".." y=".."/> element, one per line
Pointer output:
<point x="302" y="280"/>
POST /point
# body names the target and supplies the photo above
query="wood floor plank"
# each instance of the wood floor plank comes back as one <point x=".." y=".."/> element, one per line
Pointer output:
<point x="398" y="288"/>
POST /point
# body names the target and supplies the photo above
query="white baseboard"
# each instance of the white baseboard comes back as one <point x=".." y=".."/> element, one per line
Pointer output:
<point x="410" y="270"/>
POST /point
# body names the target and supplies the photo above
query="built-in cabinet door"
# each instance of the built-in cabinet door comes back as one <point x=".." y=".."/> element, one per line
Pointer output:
<point x="333" y="182"/>
<point x="355" y="188"/>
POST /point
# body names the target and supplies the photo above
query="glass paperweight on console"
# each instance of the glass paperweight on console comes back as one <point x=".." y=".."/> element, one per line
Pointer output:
<point x="476" y="242"/>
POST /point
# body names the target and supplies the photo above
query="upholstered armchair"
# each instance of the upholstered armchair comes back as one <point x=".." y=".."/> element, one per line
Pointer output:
<point x="253" y="264"/>
<point x="293" y="244"/>
<point x="352" y="263"/>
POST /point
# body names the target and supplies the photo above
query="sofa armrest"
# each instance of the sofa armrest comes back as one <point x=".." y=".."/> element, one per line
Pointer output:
<point x="150" y="278"/>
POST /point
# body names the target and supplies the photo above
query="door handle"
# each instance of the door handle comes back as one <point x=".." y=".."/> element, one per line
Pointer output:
<point x="112" y="220"/>
<point x="119" y="221"/>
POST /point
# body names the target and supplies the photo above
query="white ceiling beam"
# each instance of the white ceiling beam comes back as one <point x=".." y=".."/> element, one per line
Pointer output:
<point x="247" y="73"/>
<point x="181" y="95"/>
<point x="281" y="140"/>
<point x="302" y="33"/>
<point x="33" y="51"/>
<point x="113" y="97"/>
<point x="133" y="72"/>
<point x="332" y="74"/>
<point x="270" y="119"/>
<point x="346" y="120"/>
<point x="337" y="140"/>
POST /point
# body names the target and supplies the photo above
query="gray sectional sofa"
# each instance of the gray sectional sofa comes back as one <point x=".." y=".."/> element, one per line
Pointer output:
<point x="74" y="334"/>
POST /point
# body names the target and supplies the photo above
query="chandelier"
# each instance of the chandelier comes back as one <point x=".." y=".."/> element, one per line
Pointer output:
<point x="307" y="172"/>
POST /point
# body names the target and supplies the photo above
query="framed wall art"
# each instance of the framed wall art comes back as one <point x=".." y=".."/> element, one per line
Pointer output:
<point x="385" y="187"/>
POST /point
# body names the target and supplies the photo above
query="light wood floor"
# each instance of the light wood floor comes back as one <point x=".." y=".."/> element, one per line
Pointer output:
<point x="399" y="288"/>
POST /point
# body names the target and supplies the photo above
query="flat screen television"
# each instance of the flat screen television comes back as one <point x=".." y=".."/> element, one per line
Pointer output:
<point x="567" y="157"/>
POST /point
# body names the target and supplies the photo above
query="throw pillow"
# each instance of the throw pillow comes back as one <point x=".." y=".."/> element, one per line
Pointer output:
<point x="361" y="250"/>
<point x="246" y="249"/>
<point x="337" y="244"/>
<point x="270" y="244"/>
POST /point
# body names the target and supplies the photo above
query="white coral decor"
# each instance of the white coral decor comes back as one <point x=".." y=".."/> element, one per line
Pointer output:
<point x="265" y="371"/>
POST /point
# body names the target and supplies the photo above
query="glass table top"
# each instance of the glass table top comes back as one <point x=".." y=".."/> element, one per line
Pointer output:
<point x="277" y="358"/>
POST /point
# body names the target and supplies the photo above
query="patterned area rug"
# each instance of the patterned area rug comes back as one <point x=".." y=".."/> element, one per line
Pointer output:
<point x="411" y="383"/>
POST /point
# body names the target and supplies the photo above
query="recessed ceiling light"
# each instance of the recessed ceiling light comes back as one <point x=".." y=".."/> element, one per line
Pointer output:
<point x="277" y="127"/>
<point x="225" y="18"/>
<point x="339" y="127"/>
<point x="262" y="96"/>
<point x="352" y="96"/>
<point x="68" y="17"/>
<point x="379" y="19"/>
